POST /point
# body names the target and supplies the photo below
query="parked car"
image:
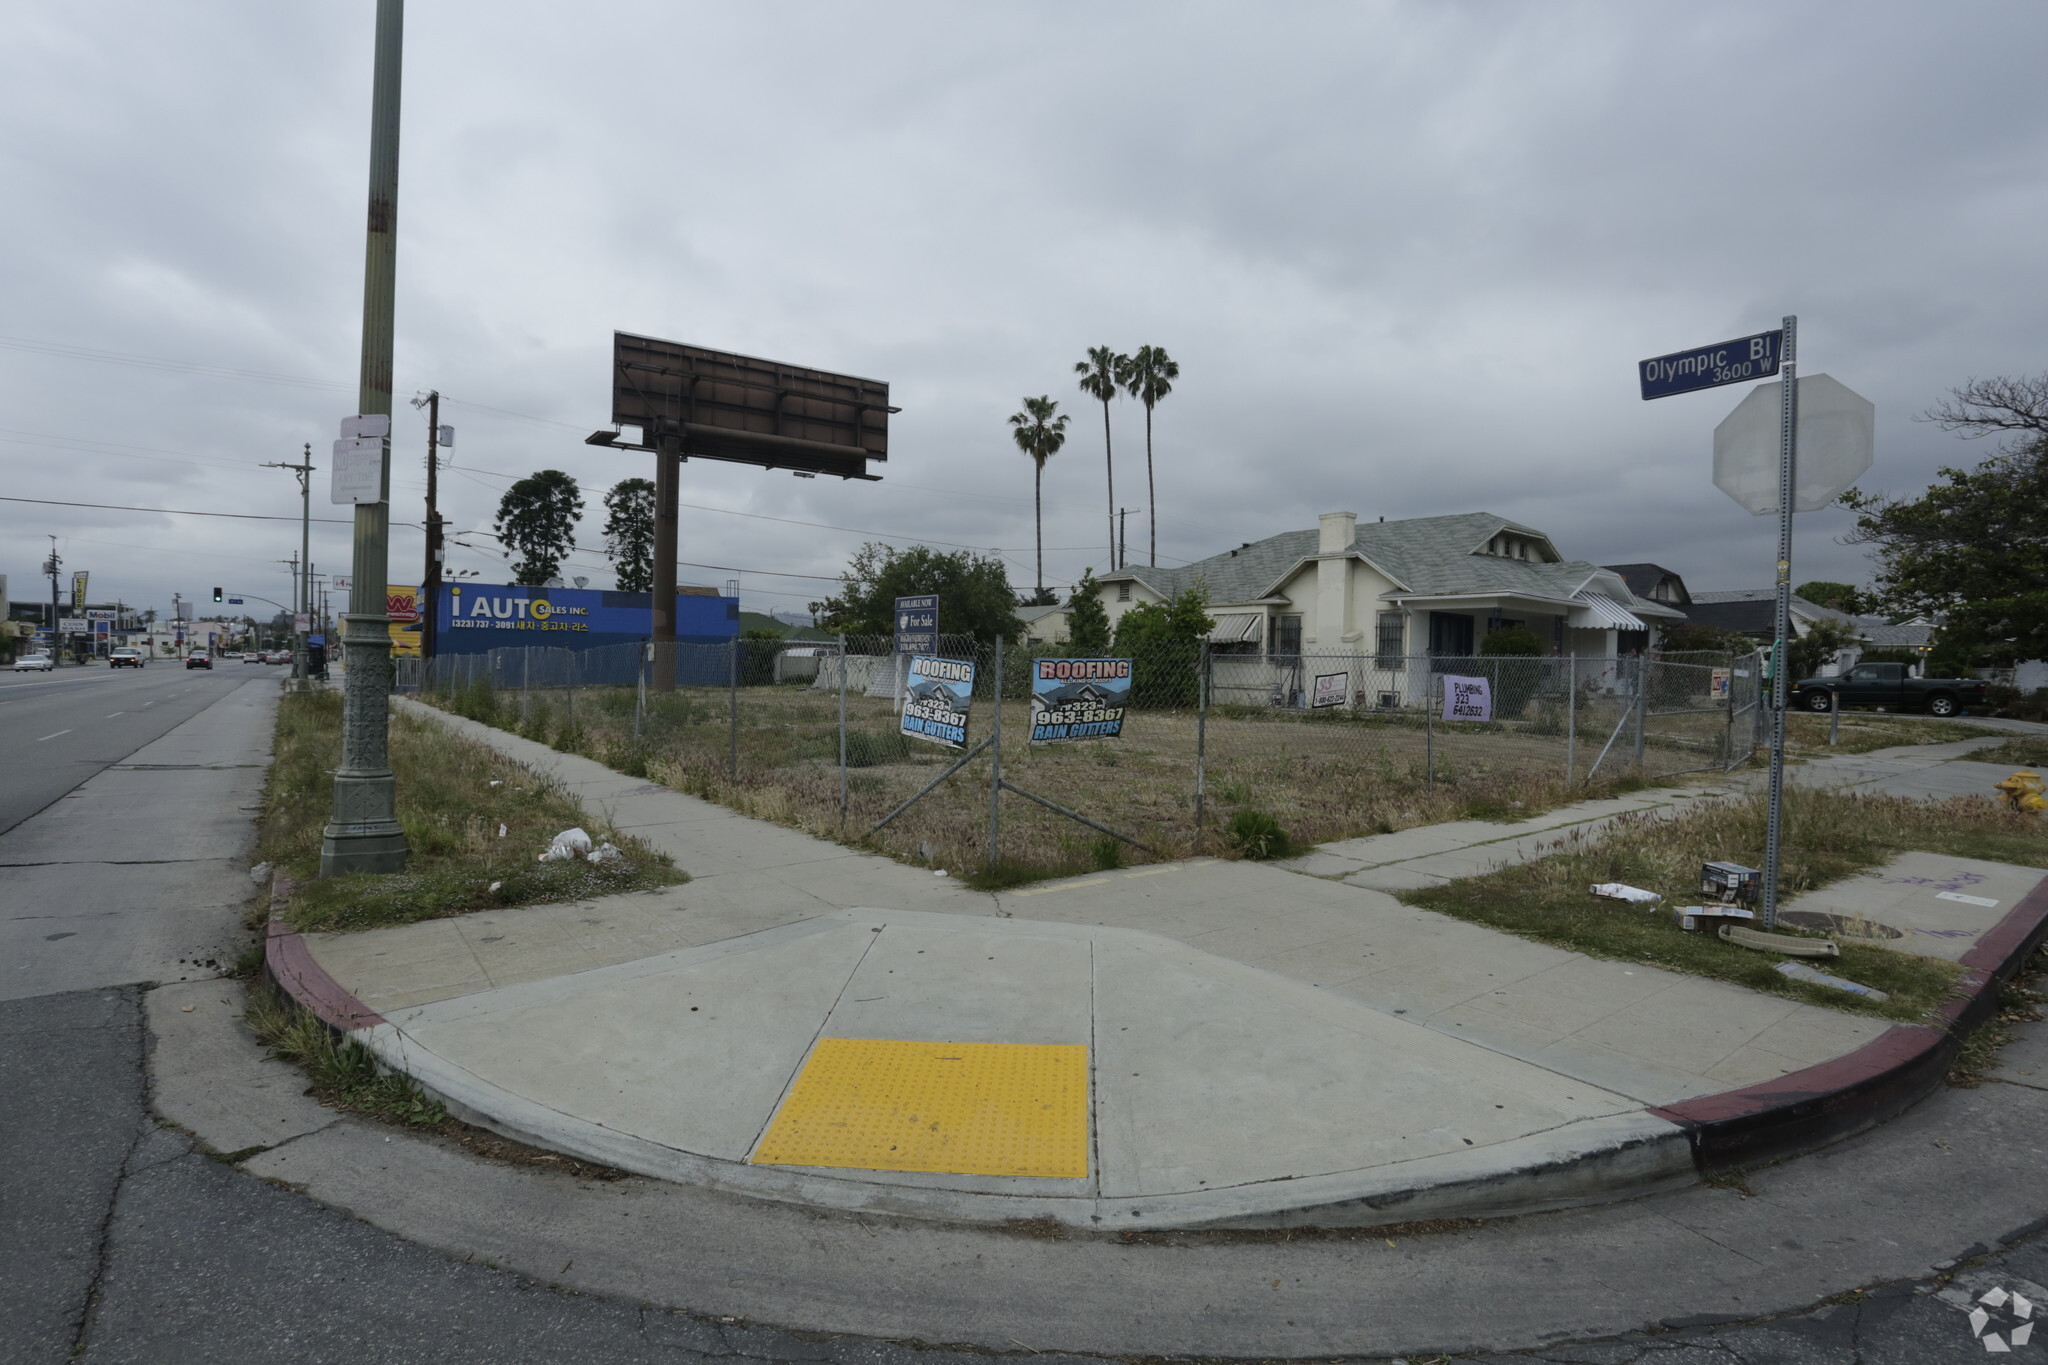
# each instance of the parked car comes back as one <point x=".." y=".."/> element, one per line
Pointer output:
<point x="42" y="663"/>
<point x="254" y="656"/>
<point x="198" y="660"/>
<point x="1888" y="686"/>
<point x="278" y="656"/>
<point x="127" y="658"/>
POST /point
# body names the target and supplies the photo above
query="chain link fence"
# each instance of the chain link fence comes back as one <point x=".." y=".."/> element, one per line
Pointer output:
<point x="1329" y="746"/>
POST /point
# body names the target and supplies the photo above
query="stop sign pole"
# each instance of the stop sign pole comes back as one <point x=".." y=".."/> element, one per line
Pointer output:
<point x="1735" y="362"/>
<point x="1781" y="614"/>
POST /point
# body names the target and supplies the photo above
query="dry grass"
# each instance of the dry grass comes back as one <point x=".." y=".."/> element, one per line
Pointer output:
<point x="452" y="813"/>
<point x="1828" y="836"/>
<point x="1320" y="777"/>
<point x="1863" y="731"/>
<point x="2027" y="751"/>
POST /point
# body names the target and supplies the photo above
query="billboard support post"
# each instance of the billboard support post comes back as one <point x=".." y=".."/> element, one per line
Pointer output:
<point x="995" y="772"/>
<point x="666" y="460"/>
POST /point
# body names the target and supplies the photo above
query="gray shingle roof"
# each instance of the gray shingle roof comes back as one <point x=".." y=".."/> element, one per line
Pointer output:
<point x="1426" y="556"/>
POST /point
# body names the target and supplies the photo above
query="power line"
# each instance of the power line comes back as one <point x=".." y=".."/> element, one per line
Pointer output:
<point x="183" y="512"/>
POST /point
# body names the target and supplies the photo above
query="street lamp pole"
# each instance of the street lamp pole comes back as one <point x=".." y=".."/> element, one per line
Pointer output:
<point x="363" y="833"/>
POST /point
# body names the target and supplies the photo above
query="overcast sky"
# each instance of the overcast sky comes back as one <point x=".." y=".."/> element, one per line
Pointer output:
<point x="1406" y="256"/>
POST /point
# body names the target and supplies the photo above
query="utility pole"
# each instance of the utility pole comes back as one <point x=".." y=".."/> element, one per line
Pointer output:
<point x="1123" y="538"/>
<point x="304" y="469"/>
<point x="430" y="579"/>
<point x="667" y="474"/>
<point x="363" y="833"/>
<point x="51" y="566"/>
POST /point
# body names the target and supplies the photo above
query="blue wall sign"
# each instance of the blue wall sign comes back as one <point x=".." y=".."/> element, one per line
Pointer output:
<point x="476" y="618"/>
<point x="1708" y="367"/>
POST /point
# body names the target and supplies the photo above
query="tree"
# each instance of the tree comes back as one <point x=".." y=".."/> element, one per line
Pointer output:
<point x="1973" y="548"/>
<point x="1039" y="434"/>
<point x="1102" y="374"/>
<point x="629" y="533"/>
<point x="1817" y="648"/>
<point x="1149" y="378"/>
<point x="1835" y="596"/>
<point x="1164" y="644"/>
<point x="1087" y="621"/>
<point x="974" y="592"/>
<point x="537" y="522"/>
<point x="1694" y="638"/>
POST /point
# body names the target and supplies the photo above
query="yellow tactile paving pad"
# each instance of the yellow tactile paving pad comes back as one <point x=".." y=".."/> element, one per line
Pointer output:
<point x="955" y="1108"/>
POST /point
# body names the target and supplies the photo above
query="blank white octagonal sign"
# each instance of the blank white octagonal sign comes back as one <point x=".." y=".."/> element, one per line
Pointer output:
<point x="1837" y="439"/>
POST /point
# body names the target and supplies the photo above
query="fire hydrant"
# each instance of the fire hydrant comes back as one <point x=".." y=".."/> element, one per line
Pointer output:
<point x="2023" y="791"/>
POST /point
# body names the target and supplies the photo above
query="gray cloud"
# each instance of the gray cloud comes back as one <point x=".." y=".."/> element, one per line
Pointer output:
<point x="1405" y="254"/>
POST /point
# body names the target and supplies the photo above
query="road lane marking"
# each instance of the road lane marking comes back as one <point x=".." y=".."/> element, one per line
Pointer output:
<point x="60" y="732"/>
<point x="1063" y="886"/>
<point x="117" y="713"/>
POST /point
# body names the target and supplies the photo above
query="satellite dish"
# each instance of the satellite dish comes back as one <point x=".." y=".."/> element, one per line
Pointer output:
<point x="579" y="582"/>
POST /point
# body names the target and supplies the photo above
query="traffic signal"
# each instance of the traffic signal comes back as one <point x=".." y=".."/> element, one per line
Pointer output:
<point x="216" y="594"/>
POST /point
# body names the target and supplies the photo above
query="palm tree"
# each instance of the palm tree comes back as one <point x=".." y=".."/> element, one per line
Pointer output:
<point x="1102" y="373"/>
<point x="1148" y="378"/>
<point x="1039" y="434"/>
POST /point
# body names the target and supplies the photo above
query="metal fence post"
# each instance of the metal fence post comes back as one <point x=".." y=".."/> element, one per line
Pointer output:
<point x="640" y="688"/>
<point x="1204" y="685"/>
<point x="1571" y="719"/>
<point x="1834" y="716"/>
<point x="1642" y="704"/>
<point x="842" y="732"/>
<point x="733" y="698"/>
<point x="1429" y="730"/>
<point x="525" y="684"/>
<point x="995" y="771"/>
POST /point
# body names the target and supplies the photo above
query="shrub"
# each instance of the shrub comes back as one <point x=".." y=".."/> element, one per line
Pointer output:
<point x="1513" y="669"/>
<point x="1257" y="835"/>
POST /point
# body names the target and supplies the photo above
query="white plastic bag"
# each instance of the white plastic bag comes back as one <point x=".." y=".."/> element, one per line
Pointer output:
<point x="1621" y="891"/>
<point x="567" y="845"/>
<point x="607" y="853"/>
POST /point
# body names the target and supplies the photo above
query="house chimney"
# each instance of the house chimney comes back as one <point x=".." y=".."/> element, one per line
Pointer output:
<point x="1339" y="530"/>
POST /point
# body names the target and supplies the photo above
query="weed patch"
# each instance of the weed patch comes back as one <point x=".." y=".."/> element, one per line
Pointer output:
<point x="342" y="1071"/>
<point x="1828" y="836"/>
<point x="454" y="796"/>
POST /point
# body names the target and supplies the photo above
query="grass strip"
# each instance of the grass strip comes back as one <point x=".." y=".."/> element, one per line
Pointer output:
<point x="454" y="797"/>
<point x="343" y="1072"/>
<point x="1828" y="836"/>
<point x="2027" y="751"/>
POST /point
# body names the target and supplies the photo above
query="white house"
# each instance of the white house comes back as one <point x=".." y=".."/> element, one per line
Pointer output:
<point x="1385" y="592"/>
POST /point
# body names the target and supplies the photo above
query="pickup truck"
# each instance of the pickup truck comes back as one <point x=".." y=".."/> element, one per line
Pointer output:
<point x="1888" y="686"/>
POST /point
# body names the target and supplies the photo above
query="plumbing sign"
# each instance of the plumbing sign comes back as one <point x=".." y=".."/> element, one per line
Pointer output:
<point x="1467" y="698"/>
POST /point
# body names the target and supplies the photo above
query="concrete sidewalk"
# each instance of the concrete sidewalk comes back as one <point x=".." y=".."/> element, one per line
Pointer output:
<point x="1261" y="1047"/>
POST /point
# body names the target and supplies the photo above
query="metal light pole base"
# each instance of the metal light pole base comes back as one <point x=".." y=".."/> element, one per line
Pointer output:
<point x="363" y="834"/>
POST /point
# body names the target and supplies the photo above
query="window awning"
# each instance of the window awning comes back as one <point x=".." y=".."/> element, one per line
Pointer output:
<point x="1591" y="611"/>
<point x="1235" y="627"/>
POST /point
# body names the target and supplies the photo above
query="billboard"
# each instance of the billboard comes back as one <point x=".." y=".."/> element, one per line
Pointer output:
<point x="936" y="697"/>
<point x="474" y="618"/>
<point x="716" y="405"/>
<point x="401" y="603"/>
<point x="1078" y="698"/>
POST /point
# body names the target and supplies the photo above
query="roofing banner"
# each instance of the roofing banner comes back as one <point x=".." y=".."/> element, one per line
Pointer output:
<point x="936" y="695"/>
<point x="1078" y="699"/>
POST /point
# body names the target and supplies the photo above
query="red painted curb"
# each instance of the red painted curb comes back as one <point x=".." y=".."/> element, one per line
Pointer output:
<point x="1825" y="1103"/>
<point x="291" y="965"/>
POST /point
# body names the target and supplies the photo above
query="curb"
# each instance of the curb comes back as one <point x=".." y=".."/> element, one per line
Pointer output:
<point x="1808" y="1109"/>
<point x="1621" y="1158"/>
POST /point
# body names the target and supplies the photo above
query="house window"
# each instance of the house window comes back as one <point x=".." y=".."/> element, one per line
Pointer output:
<point x="1392" y="643"/>
<point x="1450" y="634"/>
<point x="1287" y="635"/>
<point x="1123" y="592"/>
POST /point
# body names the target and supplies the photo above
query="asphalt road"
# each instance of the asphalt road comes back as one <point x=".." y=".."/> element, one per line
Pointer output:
<point x="121" y="1242"/>
<point x="59" y="728"/>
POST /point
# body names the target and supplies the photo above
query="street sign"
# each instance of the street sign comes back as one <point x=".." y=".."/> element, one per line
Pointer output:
<point x="1705" y="367"/>
<point x="375" y="425"/>
<point x="358" y="470"/>
<point x="302" y="622"/>
<point x="917" y="624"/>
<point x="1837" y="432"/>
<point x="72" y="625"/>
<point x="99" y="613"/>
<point x="234" y="601"/>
